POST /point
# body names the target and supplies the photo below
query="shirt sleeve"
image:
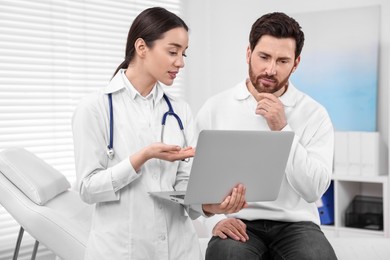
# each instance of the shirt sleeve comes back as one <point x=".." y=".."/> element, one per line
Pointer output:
<point x="309" y="167"/>
<point x="96" y="181"/>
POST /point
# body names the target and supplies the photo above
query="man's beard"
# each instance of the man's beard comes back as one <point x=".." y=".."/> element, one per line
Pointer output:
<point x="266" y="89"/>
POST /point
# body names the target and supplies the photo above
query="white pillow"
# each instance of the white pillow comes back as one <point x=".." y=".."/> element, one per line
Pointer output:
<point x="35" y="178"/>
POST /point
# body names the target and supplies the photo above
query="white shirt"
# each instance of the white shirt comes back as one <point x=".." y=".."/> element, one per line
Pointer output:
<point x="309" y="167"/>
<point x="128" y="223"/>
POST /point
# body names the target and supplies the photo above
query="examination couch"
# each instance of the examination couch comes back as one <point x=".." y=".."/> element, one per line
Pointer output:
<point x="39" y="198"/>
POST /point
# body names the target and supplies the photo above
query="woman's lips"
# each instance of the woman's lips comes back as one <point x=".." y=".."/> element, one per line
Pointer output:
<point x="172" y="74"/>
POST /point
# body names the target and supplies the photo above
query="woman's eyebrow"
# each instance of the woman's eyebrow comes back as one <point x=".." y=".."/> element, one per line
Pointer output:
<point x="177" y="45"/>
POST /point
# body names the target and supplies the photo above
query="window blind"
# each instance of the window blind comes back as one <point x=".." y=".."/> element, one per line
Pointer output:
<point x="52" y="53"/>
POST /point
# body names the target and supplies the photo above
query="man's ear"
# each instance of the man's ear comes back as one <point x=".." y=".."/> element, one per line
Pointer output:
<point x="248" y="54"/>
<point x="140" y="47"/>
<point x="296" y="63"/>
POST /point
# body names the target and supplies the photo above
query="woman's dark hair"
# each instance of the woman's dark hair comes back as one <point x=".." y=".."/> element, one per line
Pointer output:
<point x="278" y="25"/>
<point x="150" y="25"/>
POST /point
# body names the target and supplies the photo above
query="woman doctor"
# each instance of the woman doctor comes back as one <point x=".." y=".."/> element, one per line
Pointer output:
<point x="128" y="223"/>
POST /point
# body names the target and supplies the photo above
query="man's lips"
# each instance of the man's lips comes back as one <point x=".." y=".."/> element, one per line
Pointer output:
<point x="267" y="81"/>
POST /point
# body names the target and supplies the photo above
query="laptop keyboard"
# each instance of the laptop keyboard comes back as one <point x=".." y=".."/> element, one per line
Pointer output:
<point x="181" y="196"/>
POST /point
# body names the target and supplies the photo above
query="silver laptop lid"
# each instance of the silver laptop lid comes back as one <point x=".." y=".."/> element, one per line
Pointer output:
<point x="225" y="158"/>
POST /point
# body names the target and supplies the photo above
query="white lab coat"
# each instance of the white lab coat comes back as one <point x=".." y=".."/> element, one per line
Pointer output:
<point x="128" y="223"/>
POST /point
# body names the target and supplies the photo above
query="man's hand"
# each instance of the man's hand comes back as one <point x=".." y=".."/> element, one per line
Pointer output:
<point x="231" y="204"/>
<point x="271" y="108"/>
<point x="231" y="227"/>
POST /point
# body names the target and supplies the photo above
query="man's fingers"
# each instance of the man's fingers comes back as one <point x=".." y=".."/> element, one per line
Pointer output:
<point x="243" y="198"/>
<point x="243" y="229"/>
<point x="239" y="228"/>
<point x="233" y="199"/>
<point x="225" y="203"/>
<point x="236" y="201"/>
<point x="221" y="234"/>
<point x="232" y="228"/>
<point x="225" y="231"/>
<point x="240" y="198"/>
<point x="235" y="232"/>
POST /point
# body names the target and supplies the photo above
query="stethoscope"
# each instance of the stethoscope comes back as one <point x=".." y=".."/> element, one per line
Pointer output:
<point x="170" y="112"/>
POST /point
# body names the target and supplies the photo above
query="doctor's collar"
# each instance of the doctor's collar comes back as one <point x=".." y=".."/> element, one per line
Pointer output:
<point x="115" y="84"/>
<point x="120" y="81"/>
<point x="156" y="93"/>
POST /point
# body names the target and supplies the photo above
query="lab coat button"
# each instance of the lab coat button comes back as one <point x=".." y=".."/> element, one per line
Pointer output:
<point x="162" y="237"/>
<point x="155" y="176"/>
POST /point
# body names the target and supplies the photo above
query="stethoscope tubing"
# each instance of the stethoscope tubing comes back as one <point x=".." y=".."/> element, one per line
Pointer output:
<point x="110" y="148"/>
<point x="170" y="112"/>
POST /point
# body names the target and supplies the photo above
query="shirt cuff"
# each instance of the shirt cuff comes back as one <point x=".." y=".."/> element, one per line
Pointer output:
<point x="122" y="174"/>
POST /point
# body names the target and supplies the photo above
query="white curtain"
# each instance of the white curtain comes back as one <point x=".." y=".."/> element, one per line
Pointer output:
<point x="53" y="52"/>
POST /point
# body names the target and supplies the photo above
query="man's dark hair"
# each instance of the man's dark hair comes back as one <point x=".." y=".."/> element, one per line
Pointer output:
<point x="278" y="25"/>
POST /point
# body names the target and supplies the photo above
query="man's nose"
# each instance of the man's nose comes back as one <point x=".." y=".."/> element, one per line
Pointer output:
<point x="271" y="68"/>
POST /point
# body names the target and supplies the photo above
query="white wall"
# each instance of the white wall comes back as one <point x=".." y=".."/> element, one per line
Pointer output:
<point x="219" y="31"/>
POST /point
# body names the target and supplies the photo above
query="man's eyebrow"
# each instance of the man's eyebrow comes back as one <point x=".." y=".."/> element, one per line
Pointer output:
<point x="268" y="55"/>
<point x="263" y="53"/>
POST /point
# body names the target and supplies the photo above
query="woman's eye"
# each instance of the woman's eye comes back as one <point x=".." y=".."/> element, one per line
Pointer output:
<point x="173" y="53"/>
<point x="184" y="55"/>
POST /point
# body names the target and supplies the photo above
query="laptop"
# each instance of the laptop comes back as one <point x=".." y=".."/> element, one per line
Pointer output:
<point x="225" y="158"/>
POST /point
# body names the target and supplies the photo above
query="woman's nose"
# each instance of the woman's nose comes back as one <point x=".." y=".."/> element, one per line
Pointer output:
<point x="179" y="62"/>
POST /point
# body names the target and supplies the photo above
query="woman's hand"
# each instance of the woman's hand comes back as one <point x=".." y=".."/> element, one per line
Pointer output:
<point x="231" y="204"/>
<point x="160" y="151"/>
<point x="169" y="152"/>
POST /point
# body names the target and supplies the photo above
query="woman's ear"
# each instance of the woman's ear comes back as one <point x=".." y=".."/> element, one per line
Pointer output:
<point x="140" y="47"/>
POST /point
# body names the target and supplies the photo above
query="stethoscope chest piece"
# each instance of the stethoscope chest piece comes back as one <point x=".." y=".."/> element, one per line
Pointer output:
<point x="110" y="153"/>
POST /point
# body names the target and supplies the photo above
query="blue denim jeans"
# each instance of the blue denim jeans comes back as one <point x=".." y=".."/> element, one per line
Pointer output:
<point x="274" y="240"/>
